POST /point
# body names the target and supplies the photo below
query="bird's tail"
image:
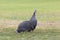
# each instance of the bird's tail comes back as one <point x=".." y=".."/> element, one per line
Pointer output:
<point x="18" y="31"/>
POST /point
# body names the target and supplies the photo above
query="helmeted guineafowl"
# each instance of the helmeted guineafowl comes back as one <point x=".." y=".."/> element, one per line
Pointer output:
<point x="28" y="25"/>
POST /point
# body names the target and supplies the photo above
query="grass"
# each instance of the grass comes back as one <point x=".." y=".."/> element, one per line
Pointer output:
<point x="13" y="9"/>
<point x="47" y="10"/>
<point x="8" y="32"/>
<point x="37" y="34"/>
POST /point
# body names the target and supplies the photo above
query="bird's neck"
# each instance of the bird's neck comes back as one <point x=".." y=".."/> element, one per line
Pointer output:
<point x="33" y="18"/>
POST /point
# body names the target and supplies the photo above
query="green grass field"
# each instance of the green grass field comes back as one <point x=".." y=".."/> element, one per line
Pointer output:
<point x="38" y="34"/>
<point x="47" y="11"/>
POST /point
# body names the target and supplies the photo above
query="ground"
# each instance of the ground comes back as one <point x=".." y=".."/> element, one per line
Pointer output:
<point x="13" y="12"/>
<point x="44" y="31"/>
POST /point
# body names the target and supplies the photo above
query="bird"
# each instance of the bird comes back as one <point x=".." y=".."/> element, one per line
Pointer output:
<point x="29" y="25"/>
